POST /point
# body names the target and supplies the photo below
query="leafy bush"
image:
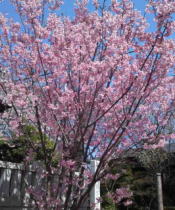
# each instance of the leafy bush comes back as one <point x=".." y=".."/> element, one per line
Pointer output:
<point x="17" y="150"/>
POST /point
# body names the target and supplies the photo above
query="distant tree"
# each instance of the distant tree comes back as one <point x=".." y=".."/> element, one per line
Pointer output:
<point x="133" y="177"/>
<point x="155" y="160"/>
<point x="140" y="180"/>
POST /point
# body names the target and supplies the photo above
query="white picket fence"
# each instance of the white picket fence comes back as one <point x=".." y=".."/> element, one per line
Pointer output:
<point x="15" y="179"/>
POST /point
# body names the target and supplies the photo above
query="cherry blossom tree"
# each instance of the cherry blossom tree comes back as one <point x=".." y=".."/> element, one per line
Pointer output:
<point x="90" y="84"/>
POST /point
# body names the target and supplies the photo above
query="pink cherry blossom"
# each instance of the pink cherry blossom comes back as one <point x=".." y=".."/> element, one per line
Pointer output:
<point x="97" y="85"/>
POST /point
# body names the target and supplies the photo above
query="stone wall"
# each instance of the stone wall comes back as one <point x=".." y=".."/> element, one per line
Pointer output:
<point x="15" y="179"/>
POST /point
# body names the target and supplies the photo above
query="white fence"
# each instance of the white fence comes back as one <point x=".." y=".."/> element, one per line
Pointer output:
<point x="15" y="179"/>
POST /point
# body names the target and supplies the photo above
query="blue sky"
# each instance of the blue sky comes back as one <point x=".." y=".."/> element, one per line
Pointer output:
<point x="6" y="7"/>
<point x="67" y="9"/>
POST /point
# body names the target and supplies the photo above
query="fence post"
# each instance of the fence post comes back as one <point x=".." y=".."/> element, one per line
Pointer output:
<point x="159" y="191"/>
<point x="95" y="192"/>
